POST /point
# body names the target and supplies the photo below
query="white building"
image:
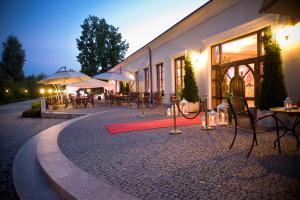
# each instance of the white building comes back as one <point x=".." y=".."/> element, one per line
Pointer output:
<point x="223" y="38"/>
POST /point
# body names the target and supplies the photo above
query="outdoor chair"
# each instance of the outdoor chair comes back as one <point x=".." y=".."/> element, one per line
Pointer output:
<point x="244" y="118"/>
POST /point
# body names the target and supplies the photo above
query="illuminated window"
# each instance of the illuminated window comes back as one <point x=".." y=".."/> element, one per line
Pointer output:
<point x="146" y="73"/>
<point x="160" y="77"/>
<point x="137" y="81"/>
<point x="179" y="73"/>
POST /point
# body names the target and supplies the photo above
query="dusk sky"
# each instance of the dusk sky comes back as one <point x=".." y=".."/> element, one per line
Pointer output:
<point x="48" y="29"/>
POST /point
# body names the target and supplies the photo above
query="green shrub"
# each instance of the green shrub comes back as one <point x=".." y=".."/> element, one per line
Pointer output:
<point x="35" y="113"/>
<point x="190" y="90"/>
<point x="36" y="105"/>
<point x="273" y="91"/>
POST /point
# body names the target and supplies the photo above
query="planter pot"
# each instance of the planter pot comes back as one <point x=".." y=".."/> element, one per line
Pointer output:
<point x="193" y="107"/>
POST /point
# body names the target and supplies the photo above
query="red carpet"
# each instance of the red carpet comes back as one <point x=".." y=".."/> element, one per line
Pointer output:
<point x="143" y="125"/>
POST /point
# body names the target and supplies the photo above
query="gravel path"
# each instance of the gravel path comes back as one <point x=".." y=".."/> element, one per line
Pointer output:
<point x="14" y="132"/>
<point x="153" y="164"/>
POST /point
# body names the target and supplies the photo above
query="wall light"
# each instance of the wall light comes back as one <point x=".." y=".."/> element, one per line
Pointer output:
<point x="288" y="36"/>
<point x="195" y="57"/>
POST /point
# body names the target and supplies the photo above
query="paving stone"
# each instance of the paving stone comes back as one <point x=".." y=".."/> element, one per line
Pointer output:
<point x="153" y="164"/>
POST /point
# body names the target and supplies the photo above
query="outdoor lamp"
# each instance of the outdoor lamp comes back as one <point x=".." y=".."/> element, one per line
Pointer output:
<point x="6" y="90"/>
<point x="212" y="118"/>
<point x="88" y="90"/>
<point x="184" y="106"/>
<point x="222" y="113"/>
<point x="288" y="103"/>
<point x="25" y="91"/>
<point x="50" y="91"/>
<point x="42" y="91"/>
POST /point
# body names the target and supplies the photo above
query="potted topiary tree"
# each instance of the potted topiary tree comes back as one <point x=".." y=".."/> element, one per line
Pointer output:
<point x="190" y="90"/>
<point x="272" y="91"/>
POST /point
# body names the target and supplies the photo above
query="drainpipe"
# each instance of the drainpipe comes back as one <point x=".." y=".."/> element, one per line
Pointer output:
<point x="150" y="63"/>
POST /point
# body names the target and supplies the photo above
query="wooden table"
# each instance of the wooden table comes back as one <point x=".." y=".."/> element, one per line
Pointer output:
<point x="292" y="112"/>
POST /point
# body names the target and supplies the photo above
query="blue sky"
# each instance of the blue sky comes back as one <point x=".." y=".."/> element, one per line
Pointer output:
<point x="48" y="29"/>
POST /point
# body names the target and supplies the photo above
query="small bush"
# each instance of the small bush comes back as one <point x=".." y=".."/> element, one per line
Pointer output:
<point x="36" y="105"/>
<point x="35" y="113"/>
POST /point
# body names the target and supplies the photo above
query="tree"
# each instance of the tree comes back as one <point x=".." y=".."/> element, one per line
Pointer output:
<point x="190" y="90"/>
<point x="273" y="91"/>
<point x="100" y="46"/>
<point x="13" y="58"/>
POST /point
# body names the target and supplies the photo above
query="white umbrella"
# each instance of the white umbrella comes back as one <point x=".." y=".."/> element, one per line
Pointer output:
<point x="63" y="77"/>
<point x="92" y="83"/>
<point x="112" y="76"/>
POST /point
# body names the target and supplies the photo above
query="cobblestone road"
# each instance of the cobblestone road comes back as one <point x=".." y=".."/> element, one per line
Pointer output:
<point x="153" y="164"/>
<point x="14" y="132"/>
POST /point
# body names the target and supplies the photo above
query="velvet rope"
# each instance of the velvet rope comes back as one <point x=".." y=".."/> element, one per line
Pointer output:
<point x="187" y="117"/>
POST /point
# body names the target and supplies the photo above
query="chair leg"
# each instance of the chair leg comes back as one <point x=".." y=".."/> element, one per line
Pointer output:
<point x="235" y="131"/>
<point x="254" y="140"/>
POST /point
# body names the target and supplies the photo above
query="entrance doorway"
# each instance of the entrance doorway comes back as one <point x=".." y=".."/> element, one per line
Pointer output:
<point x="236" y="68"/>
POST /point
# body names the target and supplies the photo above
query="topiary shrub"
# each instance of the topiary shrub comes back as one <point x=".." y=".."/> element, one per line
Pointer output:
<point x="190" y="90"/>
<point x="34" y="111"/>
<point x="273" y="91"/>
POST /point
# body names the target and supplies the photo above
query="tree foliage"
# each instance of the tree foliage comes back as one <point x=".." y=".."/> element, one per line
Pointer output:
<point x="100" y="46"/>
<point x="14" y="86"/>
<point x="13" y="58"/>
<point x="190" y="90"/>
<point x="273" y="91"/>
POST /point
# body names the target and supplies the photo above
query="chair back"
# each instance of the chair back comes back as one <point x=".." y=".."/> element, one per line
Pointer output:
<point x="241" y="113"/>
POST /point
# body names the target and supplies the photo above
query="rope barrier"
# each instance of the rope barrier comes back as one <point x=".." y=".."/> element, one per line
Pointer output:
<point x="187" y="117"/>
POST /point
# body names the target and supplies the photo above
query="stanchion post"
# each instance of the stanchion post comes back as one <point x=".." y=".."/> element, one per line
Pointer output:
<point x="142" y="106"/>
<point x="206" y="127"/>
<point x="173" y="101"/>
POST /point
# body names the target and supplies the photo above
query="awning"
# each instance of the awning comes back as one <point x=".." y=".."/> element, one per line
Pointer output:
<point x="284" y="7"/>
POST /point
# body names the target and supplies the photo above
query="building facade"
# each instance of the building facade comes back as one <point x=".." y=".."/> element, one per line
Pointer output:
<point x="224" y="41"/>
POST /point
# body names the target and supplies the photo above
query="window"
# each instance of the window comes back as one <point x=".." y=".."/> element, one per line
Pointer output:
<point x="238" y="49"/>
<point x="179" y="73"/>
<point x="137" y="81"/>
<point x="160" y="77"/>
<point x="146" y="73"/>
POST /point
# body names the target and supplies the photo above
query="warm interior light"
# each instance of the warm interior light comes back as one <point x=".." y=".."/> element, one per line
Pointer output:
<point x="288" y="36"/>
<point x="50" y="91"/>
<point x="88" y="90"/>
<point x="42" y="91"/>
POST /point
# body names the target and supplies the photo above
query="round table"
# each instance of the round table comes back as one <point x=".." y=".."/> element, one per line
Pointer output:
<point x="292" y="112"/>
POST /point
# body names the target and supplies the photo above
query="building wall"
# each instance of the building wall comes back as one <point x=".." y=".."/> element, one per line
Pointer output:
<point x="240" y="19"/>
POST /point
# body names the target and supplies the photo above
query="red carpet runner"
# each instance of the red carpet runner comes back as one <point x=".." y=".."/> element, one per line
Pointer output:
<point x="144" y="125"/>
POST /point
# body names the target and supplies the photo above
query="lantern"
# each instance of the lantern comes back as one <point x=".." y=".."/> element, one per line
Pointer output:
<point x="212" y="118"/>
<point x="222" y="113"/>
<point x="288" y="103"/>
<point x="184" y="106"/>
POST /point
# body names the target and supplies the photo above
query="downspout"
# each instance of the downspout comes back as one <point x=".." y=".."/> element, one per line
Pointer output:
<point x="150" y="66"/>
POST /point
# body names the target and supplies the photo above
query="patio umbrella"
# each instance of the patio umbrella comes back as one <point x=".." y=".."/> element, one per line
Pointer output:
<point x="63" y="77"/>
<point x="112" y="76"/>
<point x="91" y="83"/>
<point x="283" y="7"/>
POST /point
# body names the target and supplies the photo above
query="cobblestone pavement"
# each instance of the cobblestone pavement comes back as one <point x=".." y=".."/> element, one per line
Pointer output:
<point x="14" y="132"/>
<point x="153" y="164"/>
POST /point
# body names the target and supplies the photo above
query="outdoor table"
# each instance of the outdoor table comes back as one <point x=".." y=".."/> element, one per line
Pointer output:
<point x="296" y="122"/>
<point x="82" y="100"/>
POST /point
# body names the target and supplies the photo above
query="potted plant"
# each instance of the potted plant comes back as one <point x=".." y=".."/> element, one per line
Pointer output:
<point x="190" y="90"/>
<point x="272" y="92"/>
